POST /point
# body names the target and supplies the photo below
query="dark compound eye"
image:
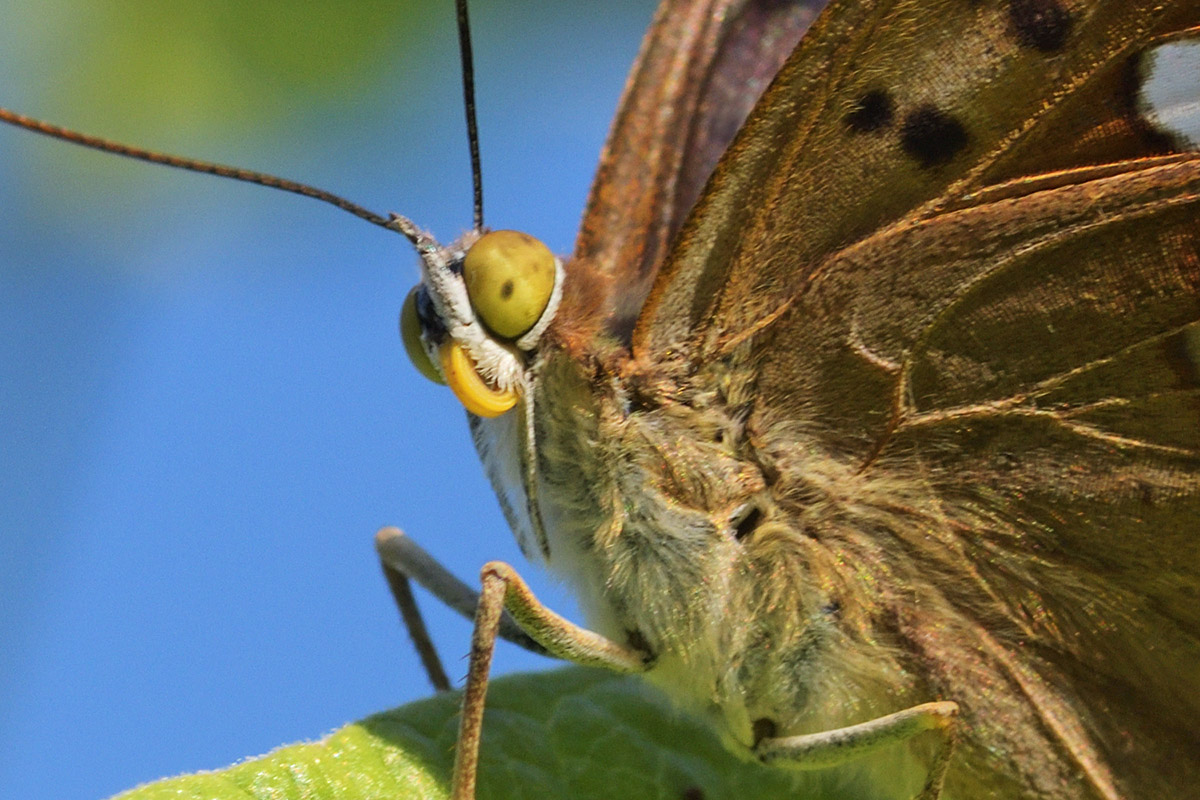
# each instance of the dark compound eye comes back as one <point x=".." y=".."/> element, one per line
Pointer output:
<point x="410" y="334"/>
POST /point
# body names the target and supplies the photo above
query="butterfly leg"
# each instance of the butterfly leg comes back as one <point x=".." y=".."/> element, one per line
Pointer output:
<point x="414" y="623"/>
<point x="503" y="589"/>
<point x="829" y="748"/>
<point x="403" y="559"/>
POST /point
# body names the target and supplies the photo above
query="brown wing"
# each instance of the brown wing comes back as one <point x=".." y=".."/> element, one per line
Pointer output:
<point x="702" y="66"/>
<point x="898" y="107"/>
<point x="967" y="270"/>
<point x="1035" y="369"/>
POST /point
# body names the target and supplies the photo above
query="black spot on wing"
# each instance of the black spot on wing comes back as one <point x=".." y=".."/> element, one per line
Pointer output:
<point x="872" y="112"/>
<point x="1043" y="25"/>
<point x="932" y="136"/>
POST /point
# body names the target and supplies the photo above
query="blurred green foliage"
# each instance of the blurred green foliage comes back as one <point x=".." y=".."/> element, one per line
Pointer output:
<point x="148" y="66"/>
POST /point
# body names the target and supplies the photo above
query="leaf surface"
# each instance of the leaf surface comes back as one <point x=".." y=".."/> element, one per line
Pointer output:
<point x="574" y="732"/>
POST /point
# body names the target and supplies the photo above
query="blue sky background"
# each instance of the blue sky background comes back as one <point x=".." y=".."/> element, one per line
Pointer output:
<point x="205" y="409"/>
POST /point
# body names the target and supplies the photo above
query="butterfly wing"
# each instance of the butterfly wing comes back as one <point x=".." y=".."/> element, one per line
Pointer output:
<point x="968" y="269"/>
<point x="890" y="106"/>
<point x="1036" y="367"/>
<point x="702" y="66"/>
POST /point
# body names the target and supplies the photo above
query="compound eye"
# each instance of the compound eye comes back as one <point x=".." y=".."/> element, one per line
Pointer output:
<point x="410" y="334"/>
<point x="510" y="279"/>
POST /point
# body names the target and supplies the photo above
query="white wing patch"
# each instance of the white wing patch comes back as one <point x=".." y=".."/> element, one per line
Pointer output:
<point x="1169" y="97"/>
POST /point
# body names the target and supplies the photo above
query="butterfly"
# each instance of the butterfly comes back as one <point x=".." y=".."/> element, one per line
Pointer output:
<point x="864" y="416"/>
<point x="871" y="421"/>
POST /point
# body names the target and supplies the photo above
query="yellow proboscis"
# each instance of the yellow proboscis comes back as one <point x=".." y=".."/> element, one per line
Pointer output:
<point x="469" y="386"/>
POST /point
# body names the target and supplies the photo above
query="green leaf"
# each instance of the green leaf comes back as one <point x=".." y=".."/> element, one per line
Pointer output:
<point x="571" y="733"/>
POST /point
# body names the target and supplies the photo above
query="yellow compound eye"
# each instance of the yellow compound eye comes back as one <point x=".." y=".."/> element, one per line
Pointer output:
<point x="410" y="334"/>
<point x="469" y="387"/>
<point x="510" y="278"/>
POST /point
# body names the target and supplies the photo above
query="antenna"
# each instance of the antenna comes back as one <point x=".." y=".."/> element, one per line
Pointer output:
<point x="468" y="81"/>
<point x="392" y="222"/>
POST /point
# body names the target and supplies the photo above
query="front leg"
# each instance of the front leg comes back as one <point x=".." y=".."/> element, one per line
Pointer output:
<point x="830" y="748"/>
<point x="503" y="590"/>
<point x="401" y="559"/>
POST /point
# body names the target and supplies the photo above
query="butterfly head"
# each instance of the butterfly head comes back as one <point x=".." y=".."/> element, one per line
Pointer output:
<point x="480" y="309"/>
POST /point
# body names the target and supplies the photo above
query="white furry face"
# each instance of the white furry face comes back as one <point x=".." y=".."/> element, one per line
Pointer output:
<point x="499" y="363"/>
<point x="505" y="277"/>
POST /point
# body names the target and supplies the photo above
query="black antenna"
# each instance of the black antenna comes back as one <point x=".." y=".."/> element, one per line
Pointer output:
<point x="468" y="80"/>
<point x="392" y="222"/>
